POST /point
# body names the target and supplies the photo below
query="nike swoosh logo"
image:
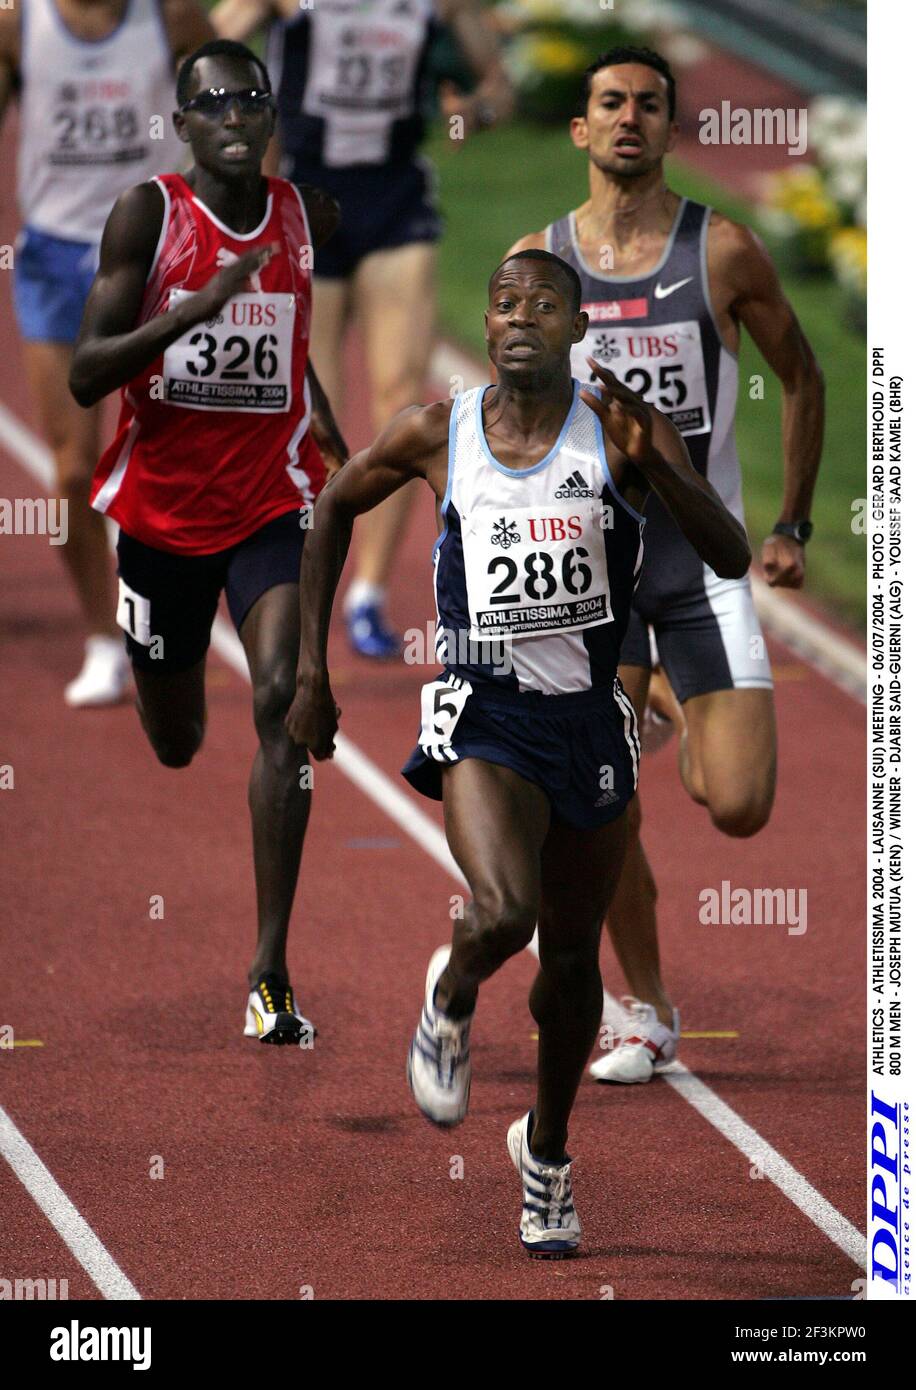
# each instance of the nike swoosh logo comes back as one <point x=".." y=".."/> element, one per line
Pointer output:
<point x="669" y="289"/>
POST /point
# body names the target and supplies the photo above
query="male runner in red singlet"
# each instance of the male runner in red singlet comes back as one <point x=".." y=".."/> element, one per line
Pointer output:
<point x="200" y="311"/>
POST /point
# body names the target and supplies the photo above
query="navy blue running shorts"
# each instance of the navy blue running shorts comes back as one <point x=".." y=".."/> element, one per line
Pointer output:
<point x="381" y="207"/>
<point x="581" y="749"/>
<point x="173" y="598"/>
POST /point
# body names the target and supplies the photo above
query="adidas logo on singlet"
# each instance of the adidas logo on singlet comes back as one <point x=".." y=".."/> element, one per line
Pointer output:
<point x="575" y="486"/>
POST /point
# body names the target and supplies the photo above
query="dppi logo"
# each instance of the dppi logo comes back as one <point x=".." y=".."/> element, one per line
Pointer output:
<point x="885" y="1206"/>
<point x="560" y="528"/>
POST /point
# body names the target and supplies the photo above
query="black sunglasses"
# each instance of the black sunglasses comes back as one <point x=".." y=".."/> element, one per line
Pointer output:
<point x="216" y="102"/>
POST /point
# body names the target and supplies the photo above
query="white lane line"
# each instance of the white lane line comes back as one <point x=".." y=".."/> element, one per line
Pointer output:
<point x="780" y="1172"/>
<point x="77" y="1235"/>
<point x="791" y="623"/>
<point x="390" y="799"/>
<point x="393" y="802"/>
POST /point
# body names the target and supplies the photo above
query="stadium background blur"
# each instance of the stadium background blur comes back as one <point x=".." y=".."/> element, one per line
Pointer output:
<point x="805" y="55"/>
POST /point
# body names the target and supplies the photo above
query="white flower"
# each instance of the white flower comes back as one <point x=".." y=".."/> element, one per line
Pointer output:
<point x="650" y="14"/>
<point x="846" y="183"/>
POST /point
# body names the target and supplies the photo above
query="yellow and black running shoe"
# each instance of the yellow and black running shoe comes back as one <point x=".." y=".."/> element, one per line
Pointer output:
<point x="273" y="1015"/>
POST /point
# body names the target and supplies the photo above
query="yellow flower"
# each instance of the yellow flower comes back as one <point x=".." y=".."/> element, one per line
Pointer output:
<point x="557" y="56"/>
<point x="849" y="257"/>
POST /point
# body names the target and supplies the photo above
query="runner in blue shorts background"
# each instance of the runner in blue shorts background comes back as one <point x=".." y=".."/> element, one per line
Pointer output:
<point x="94" y="80"/>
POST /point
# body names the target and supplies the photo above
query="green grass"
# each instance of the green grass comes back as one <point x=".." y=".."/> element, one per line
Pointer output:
<point x="516" y="180"/>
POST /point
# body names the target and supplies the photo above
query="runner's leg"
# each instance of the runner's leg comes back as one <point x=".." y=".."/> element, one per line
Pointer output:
<point x="395" y="299"/>
<point x="279" y="805"/>
<point x="631" y="919"/>
<point x="728" y="757"/>
<point x="172" y="710"/>
<point x="73" y="435"/>
<point x="580" y="870"/>
<point x="330" y="313"/>
<point x="495" y="823"/>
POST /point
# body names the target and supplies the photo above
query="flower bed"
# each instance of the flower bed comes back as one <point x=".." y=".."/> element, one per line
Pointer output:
<point x="816" y="214"/>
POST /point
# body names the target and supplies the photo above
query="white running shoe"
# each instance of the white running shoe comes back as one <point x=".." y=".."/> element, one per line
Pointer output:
<point x="439" y="1062"/>
<point x="645" y="1047"/>
<point x="105" y="674"/>
<point x="549" y="1228"/>
<point x="273" y="1016"/>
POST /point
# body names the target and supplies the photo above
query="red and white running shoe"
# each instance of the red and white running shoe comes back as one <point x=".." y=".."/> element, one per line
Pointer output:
<point x="645" y="1046"/>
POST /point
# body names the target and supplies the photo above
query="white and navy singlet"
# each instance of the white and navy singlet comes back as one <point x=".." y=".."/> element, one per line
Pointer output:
<point x="539" y="562"/>
<point x="534" y="576"/>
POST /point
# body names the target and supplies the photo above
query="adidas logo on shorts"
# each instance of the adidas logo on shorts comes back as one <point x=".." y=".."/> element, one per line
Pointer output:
<point x="607" y="799"/>
<point x="575" y="486"/>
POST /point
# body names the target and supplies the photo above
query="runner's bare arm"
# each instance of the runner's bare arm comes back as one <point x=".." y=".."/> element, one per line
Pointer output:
<point x="492" y="100"/>
<point x="414" y="445"/>
<point x="652" y="454"/>
<point x="740" y="262"/>
<point x="532" y="241"/>
<point x="186" y="27"/>
<point x="323" y="213"/>
<point x="239" y="19"/>
<point x="325" y="430"/>
<point x="111" y="349"/>
<point x="9" y="57"/>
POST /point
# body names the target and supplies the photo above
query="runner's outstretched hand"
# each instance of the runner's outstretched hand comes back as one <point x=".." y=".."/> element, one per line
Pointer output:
<point x="624" y="415"/>
<point x="220" y="288"/>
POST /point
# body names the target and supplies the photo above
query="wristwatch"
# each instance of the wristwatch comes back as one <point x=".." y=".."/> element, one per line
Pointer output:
<point x="800" y="531"/>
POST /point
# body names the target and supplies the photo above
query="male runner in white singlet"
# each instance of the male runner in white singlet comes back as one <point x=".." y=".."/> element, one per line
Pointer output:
<point x="668" y="284"/>
<point x="349" y="77"/>
<point x="95" y="81"/>
<point x="526" y="737"/>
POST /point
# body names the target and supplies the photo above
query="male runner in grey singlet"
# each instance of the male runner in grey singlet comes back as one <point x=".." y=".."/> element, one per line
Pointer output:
<point x="667" y="285"/>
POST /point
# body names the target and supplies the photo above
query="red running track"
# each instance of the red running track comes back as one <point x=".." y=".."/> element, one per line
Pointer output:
<point x="284" y="1168"/>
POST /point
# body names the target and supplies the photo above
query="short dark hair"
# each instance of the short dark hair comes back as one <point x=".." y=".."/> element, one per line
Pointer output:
<point x="216" y="48"/>
<point x="626" y="53"/>
<point x="573" y="283"/>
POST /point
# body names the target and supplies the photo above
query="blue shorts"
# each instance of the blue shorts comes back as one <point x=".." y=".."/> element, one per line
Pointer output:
<point x="51" y="283"/>
<point x="582" y="749"/>
<point x="167" y="602"/>
<point x="381" y="207"/>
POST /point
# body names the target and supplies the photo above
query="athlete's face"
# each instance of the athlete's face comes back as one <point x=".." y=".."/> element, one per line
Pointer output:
<point x="626" y="128"/>
<point x="530" y="322"/>
<point x="231" y="141"/>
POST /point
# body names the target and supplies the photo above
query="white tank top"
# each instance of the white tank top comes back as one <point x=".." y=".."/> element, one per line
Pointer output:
<point x="96" y="117"/>
<point x="542" y="560"/>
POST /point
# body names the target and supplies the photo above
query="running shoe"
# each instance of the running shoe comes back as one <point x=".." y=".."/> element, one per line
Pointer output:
<point x="645" y="1046"/>
<point x="273" y="1015"/>
<point x="439" y="1063"/>
<point x="368" y="634"/>
<point x="549" y="1228"/>
<point x="104" y="677"/>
